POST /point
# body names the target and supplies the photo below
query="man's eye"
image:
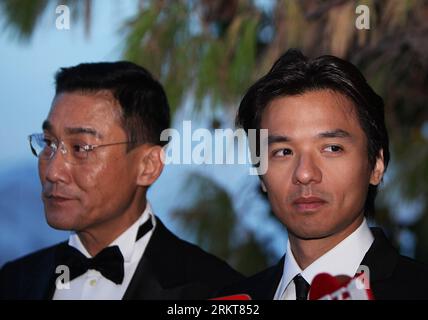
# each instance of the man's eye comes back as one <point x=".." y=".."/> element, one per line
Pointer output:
<point x="80" y="150"/>
<point x="333" y="149"/>
<point x="282" y="152"/>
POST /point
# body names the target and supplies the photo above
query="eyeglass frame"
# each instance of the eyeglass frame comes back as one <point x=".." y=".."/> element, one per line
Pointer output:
<point x="58" y="142"/>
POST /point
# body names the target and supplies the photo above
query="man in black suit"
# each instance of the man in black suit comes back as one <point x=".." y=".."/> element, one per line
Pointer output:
<point x="327" y="151"/>
<point x="99" y="152"/>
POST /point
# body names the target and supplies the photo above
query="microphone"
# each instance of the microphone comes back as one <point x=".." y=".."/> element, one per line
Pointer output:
<point x="233" y="297"/>
<point x="326" y="287"/>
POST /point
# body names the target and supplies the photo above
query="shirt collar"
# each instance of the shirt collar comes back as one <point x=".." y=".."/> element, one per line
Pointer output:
<point x="343" y="259"/>
<point x="125" y="242"/>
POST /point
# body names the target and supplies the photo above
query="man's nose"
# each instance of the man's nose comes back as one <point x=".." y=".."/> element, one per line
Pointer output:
<point x="307" y="171"/>
<point x="56" y="169"/>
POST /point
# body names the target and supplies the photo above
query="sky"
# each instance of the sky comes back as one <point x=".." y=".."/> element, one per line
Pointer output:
<point x="26" y="90"/>
<point x="27" y="69"/>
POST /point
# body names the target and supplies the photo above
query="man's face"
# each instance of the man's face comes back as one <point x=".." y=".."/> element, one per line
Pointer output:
<point x="80" y="196"/>
<point x="318" y="171"/>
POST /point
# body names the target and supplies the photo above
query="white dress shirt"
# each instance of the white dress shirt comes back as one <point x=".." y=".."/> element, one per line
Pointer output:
<point x="344" y="259"/>
<point x="92" y="285"/>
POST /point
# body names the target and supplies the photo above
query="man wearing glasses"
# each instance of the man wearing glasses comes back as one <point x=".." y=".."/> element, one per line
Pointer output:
<point x="99" y="152"/>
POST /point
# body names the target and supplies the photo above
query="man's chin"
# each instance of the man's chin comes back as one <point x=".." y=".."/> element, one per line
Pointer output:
<point x="311" y="233"/>
<point x="60" y="221"/>
<point x="311" y="236"/>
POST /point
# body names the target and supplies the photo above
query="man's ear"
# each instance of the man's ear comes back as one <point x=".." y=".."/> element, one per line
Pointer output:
<point x="378" y="170"/>
<point x="150" y="165"/>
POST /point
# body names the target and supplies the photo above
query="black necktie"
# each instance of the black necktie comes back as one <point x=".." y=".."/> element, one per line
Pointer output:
<point x="109" y="261"/>
<point x="302" y="287"/>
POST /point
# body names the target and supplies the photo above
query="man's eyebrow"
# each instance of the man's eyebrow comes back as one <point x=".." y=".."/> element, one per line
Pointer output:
<point x="47" y="126"/>
<point x="83" y="130"/>
<point x="337" y="133"/>
<point x="277" y="138"/>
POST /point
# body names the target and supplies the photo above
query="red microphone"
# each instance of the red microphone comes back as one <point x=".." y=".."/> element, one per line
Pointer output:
<point x="234" y="297"/>
<point x="326" y="287"/>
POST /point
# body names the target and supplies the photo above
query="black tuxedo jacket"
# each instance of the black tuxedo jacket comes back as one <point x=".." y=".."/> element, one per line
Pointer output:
<point x="169" y="269"/>
<point x="391" y="276"/>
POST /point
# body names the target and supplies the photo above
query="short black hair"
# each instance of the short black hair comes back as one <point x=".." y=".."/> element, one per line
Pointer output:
<point x="294" y="74"/>
<point x="144" y="105"/>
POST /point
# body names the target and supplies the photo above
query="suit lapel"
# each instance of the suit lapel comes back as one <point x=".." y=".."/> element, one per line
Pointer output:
<point x="155" y="276"/>
<point x="266" y="283"/>
<point x="276" y="276"/>
<point x="39" y="283"/>
<point x="144" y="284"/>
<point x="51" y="275"/>
<point x="381" y="258"/>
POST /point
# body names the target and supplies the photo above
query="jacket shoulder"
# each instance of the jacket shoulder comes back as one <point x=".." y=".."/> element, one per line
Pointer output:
<point x="393" y="276"/>
<point x="178" y="263"/>
<point x="18" y="275"/>
<point x="261" y="286"/>
<point x="412" y="272"/>
<point x="201" y="264"/>
<point x="28" y="261"/>
<point x="408" y="281"/>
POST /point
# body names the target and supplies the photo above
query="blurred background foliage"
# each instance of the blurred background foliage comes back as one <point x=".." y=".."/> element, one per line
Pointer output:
<point x="212" y="50"/>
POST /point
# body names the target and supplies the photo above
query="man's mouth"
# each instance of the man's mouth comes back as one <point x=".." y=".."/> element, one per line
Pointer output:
<point x="57" y="198"/>
<point x="308" y="203"/>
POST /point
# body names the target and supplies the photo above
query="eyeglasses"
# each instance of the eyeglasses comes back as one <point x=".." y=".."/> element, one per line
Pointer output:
<point x="45" y="148"/>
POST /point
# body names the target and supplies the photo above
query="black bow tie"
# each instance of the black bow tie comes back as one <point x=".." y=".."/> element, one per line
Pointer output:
<point x="109" y="261"/>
